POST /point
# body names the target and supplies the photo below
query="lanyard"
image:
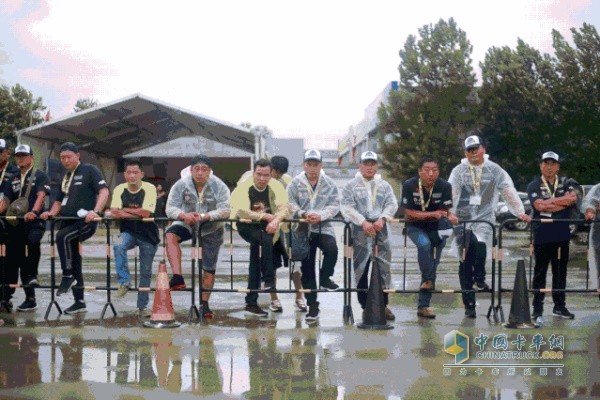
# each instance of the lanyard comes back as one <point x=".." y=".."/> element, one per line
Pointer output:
<point x="66" y="184"/>
<point x="422" y="196"/>
<point x="474" y="178"/>
<point x="3" y="172"/>
<point x="545" y="182"/>
<point x="23" y="179"/>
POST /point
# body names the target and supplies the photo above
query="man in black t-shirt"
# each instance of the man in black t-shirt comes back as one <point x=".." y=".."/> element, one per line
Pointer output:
<point x="551" y="198"/>
<point x="264" y="201"/>
<point x="23" y="242"/>
<point x="83" y="195"/>
<point x="427" y="200"/>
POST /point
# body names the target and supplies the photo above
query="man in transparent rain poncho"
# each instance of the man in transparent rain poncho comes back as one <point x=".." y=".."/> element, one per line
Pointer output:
<point x="591" y="208"/>
<point x="477" y="184"/>
<point x="368" y="202"/>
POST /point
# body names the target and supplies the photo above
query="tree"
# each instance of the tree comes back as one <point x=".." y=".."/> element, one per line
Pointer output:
<point x="435" y="104"/>
<point x="84" y="104"/>
<point x="18" y="110"/>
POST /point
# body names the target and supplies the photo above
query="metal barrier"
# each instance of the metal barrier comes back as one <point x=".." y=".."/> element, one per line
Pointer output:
<point x="531" y="254"/>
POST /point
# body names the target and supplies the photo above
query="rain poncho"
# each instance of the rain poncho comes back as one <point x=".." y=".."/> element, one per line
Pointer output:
<point x="492" y="181"/>
<point x="323" y="200"/>
<point x="213" y="200"/>
<point x="369" y="200"/>
<point x="592" y="200"/>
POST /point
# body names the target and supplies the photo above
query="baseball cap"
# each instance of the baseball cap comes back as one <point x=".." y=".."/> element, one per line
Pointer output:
<point x="368" y="155"/>
<point x="472" y="142"/>
<point x="2" y="144"/>
<point x="201" y="159"/>
<point x="69" y="146"/>
<point x="23" y="149"/>
<point x="312" y="154"/>
<point x="550" y="155"/>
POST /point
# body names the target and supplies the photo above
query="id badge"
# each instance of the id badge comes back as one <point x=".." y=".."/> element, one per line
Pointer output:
<point x="546" y="215"/>
<point x="64" y="201"/>
<point x="475" y="200"/>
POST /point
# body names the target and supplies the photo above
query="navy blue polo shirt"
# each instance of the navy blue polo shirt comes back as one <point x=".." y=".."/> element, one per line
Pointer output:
<point x="441" y="199"/>
<point x="549" y="232"/>
<point x="40" y="183"/>
<point x="82" y="193"/>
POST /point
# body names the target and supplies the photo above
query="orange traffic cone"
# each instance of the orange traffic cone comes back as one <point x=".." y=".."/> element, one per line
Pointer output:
<point x="163" y="315"/>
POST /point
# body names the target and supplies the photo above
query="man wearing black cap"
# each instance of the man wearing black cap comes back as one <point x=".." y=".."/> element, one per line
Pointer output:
<point x="314" y="197"/>
<point x="199" y="197"/>
<point x="24" y="236"/>
<point x="477" y="184"/>
<point x="551" y="198"/>
<point x="7" y="172"/>
<point x="83" y="194"/>
<point x="427" y="200"/>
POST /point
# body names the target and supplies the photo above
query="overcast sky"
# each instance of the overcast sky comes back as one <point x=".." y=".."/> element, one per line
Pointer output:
<point x="304" y="69"/>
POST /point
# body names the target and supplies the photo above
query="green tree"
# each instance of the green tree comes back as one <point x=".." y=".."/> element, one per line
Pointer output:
<point x="435" y="104"/>
<point x="84" y="104"/>
<point x="18" y="110"/>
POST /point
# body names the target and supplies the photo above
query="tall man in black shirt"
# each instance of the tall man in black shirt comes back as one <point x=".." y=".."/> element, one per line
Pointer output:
<point x="83" y="194"/>
<point x="551" y="198"/>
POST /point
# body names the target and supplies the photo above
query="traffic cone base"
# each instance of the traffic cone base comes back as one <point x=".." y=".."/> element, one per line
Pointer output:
<point x="163" y="315"/>
<point x="519" y="317"/>
<point x="375" y="309"/>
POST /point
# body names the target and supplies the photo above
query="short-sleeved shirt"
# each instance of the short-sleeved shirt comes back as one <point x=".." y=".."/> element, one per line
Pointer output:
<point x="441" y="199"/>
<point x="549" y="232"/>
<point x="144" y="198"/>
<point x="82" y="193"/>
<point x="40" y="183"/>
<point x="10" y="172"/>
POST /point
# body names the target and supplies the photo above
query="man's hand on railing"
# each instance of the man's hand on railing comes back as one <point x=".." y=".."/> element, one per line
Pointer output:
<point x="524" y="217"/>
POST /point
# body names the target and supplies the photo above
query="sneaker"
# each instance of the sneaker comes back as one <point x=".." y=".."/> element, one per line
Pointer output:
<point x="328" y="284"/>
<point x="563" y="313"/>
<point x="427" y="285"/>
<point x="301" y="305"/>
<point x="123" y="289"/>
<point x="276" y="306"/>
<point x="6" y="307"/>
<point x="425" y="312"/>
<point x="389" y="315"/>
<point x="177" y="282"/>
<point x="254" y="309"/>
<point x="144" y="313"/>
<point x="470" y="313"/>
<point x="33" y="283"/>
<point x="65" y="284"/>
<point x="313" y="312"/>
<point x="207" y="313"/>
<point x="482" y="285"/>
<point x="27" y="305"/>
<point x="76" y="308"/>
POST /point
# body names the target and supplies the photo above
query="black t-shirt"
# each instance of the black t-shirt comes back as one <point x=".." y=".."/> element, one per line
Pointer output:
<point x="82" y="192"/>
<point x="555" y="231"/>
<point x="41" y="183"/>
<point x="9" y="174"/>
<point x="259" y="202"/>
<point x="441" y="199"/>
<point x="123" y="198"/>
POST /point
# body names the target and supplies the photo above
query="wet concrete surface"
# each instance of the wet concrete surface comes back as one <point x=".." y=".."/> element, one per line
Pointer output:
<point x="283" y="357"/>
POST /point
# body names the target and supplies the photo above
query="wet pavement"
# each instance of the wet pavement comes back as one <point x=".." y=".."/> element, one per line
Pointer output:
<point x="283" y="357"/>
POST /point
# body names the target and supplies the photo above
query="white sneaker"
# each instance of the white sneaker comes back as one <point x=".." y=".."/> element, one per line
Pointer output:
<point x="301" y="305"/>
<point x="276" y="306"/>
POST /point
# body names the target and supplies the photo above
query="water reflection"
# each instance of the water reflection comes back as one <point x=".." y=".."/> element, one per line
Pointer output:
<point x="24" y="350"/>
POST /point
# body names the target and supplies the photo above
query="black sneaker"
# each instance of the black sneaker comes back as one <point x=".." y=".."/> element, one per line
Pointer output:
<point x="6" y="307"/>
<point x="76" y="308"/>
<point x="177" y="282"/>
<point x="328" y="284"/>
<point x="33" y="283"/>
<point x="27" y="305"/>
<point x="313" y="312"/>
<point x="65" y="284"/>
<point x="470" y="313"/>
<point x="254" y="309"/>
<point x="482" y="285"/>
<point x="563" y="313"/>
<point x="206" y="311"/>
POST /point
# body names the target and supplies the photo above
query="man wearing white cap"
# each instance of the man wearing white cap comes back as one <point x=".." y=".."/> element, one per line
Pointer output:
<point x="7" y="172"/>
<point x="551" y="198"/>
<point x="477" y="184"/>
<point x="314" y="197"/>
<point x="368" y="202"/>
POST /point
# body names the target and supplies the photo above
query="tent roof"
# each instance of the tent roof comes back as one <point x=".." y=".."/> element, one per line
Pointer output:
<point x="134" y="123"/>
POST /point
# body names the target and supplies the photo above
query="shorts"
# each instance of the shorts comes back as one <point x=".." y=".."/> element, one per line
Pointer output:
<point x="211" y="244"/>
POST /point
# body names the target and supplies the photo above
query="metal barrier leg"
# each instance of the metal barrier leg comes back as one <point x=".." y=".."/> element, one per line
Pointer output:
<point x="53" y="301"/>
<point x="193" y="308"/>
<point x="108" y="288"/>
<point x="347" y="311"/>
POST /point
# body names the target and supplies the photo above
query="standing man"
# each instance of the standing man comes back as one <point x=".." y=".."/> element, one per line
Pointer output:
<point x="83" y="195"/>
<point x="23" y="248"/>
<point x="314" y="197"/>
<point x="193" y="199"/>
<point x="7" y="173"/>
<point x="263" y="200"/>
<point x="427" y="200"/>
<point x="132" y="201"/>
<point x="368" y="202"/>
<point x="551" y="198"/>
<point x="591" y="208"/>
<point x="477" y="183"/>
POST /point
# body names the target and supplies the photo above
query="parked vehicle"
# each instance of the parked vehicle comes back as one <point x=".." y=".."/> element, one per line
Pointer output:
<point x="503" y="214"/>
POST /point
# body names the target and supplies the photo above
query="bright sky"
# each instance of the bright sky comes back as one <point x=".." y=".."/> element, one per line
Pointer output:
<point x="304" y="69"/>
